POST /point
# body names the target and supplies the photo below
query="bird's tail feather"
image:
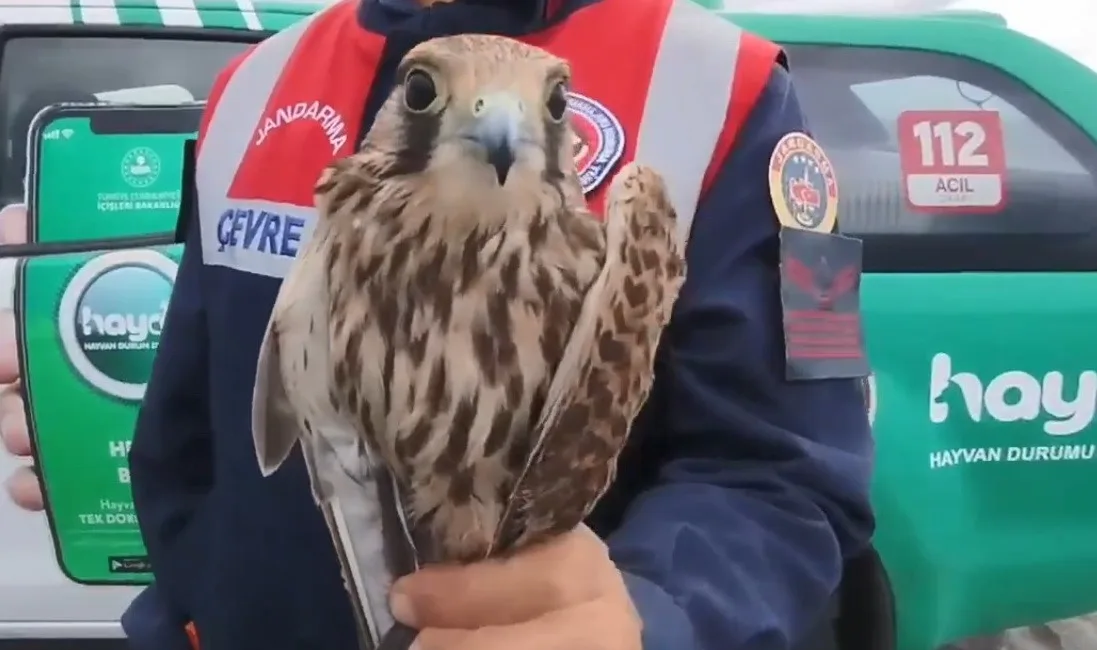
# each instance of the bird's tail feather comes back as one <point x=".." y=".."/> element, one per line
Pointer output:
<point x="352" y="576"/>
<point x="401" y="554"/>
<point x="363" y="513"/>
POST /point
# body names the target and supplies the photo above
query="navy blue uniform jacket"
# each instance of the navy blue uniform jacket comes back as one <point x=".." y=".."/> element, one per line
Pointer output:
<point x="738" y="496"/>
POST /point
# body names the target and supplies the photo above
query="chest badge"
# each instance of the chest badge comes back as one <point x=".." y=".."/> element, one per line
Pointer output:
<point x="599" y="140"/>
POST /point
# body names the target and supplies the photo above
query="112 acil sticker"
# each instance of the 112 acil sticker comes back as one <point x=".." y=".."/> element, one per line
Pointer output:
<point x="952" y="161"/>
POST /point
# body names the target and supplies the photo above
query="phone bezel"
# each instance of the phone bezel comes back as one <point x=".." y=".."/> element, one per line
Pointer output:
<point x="168" y="114"/>
<point x="87" y="247"/>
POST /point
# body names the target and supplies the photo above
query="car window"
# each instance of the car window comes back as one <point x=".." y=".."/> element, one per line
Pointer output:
<point x="1025" y="141"/>
<point x="39" y="71"/>
<point x="933" y="151"/>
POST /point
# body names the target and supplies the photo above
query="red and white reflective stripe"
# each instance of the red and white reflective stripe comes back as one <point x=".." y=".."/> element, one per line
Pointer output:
<point x="239" y="109"/>
<point x="231" y="128"/>
<point x="684" y="113"/>
<point x="687" y="102"/>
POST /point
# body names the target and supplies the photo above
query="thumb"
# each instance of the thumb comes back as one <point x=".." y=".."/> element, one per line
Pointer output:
<point x="464" y="596"/>
<point x="13" y="224"/>
<point x="9" y="348"/>
<point x="503" y="591"/>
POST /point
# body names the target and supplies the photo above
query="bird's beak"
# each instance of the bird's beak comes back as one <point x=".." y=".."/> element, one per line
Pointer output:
<point x="498" y="129"/>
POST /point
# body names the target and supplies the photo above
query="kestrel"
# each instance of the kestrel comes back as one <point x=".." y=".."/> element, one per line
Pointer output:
<point x="462" y="346"/>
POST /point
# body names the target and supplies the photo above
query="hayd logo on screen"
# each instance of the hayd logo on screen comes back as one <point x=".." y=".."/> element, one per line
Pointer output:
<point x="1054" y="404"/>
<point x="110" y="318"/>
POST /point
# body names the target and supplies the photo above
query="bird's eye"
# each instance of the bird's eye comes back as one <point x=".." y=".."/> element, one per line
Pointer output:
<point x="419" y="91"/>
<point x="557" y="102"/>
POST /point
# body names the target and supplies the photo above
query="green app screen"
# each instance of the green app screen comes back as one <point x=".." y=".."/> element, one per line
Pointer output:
<point x="89" y="328"/>
<point x="94" y="185"/>
<point x="90" y="320"/>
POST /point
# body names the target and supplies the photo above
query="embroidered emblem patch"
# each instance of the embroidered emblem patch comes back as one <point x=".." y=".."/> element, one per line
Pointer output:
<point x="821" y="305"/>
<point x="802" y="184"/>
<point x="599" y="140"/>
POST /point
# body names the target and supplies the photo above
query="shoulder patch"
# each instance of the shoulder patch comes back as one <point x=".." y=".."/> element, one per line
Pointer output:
<point x="802" y="184"/>
<point x="599" y="140"/>
<point x="820" y="285"/>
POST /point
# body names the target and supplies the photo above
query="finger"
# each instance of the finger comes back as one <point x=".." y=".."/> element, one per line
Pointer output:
<point x="583" y="627"/>
<point x="13" y="423"/>
<point x="13" y="224"/>
<point x="506" y="591"/>
<point x="9" y="348"/>
<point x="23" y="489"/>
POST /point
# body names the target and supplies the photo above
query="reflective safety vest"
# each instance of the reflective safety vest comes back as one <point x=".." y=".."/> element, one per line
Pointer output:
<point x="664" y="82"/>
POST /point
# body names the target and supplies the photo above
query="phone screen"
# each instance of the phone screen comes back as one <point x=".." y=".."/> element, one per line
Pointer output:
<point x="107" y="172"/>
<point x="89" y="316"/>
<point x="89" y="325"/>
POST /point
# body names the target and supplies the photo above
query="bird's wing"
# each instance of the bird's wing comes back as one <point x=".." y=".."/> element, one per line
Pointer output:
<point x="297" y="327"/>
<point x="292" y="386"/>
<point x="607" y="367"/>
<point x="274" y="428"/>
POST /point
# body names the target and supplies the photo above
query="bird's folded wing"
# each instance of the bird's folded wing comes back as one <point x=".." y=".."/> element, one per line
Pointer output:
<point x="297" y="326"/>
<point x="294" y="359"/>
<point x="573" y="374"/>
<point x="357" y="499"/>
<point x="274" y="428"/>
<point x="606" y="369"/>
<point x="570" y="382"/>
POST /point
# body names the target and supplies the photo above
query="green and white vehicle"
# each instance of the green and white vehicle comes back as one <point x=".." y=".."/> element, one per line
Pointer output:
<point x="967" y="159"/>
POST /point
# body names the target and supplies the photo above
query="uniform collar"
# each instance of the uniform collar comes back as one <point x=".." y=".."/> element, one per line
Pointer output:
<point x="544" y="10"/>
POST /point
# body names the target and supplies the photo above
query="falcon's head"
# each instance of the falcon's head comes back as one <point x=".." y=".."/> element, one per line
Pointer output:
<point x="483" y="114"/>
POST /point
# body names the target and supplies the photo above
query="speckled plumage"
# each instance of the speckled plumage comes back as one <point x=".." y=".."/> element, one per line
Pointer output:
<point x="486" y="342"/>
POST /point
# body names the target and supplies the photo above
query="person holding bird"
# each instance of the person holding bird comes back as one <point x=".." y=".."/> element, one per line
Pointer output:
<point x="402" y="279"/>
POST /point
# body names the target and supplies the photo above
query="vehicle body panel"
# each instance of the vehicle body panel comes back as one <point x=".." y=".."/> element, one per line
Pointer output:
<point x="982" y="545"/>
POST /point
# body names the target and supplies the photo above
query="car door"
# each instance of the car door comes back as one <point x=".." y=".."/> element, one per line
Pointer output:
<point x="966" y="161"/>
<point x="39" y="596"/>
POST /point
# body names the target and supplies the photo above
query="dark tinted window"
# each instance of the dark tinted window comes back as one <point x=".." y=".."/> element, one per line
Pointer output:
<point x="39" y="71"/>
<point x="923" y="143"/>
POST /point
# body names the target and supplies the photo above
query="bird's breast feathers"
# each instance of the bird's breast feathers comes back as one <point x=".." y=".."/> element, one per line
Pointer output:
<point x="444" y="349"/>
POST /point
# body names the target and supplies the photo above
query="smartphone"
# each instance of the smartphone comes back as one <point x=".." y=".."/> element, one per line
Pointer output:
<point x="88" y="327"/>
<point x="106" y="172"/>
<point x="103" y="181"/>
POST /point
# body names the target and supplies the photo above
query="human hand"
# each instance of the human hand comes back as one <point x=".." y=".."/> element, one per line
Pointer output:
<point x="22" y="486"/>
<point x="562" y="595"/>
